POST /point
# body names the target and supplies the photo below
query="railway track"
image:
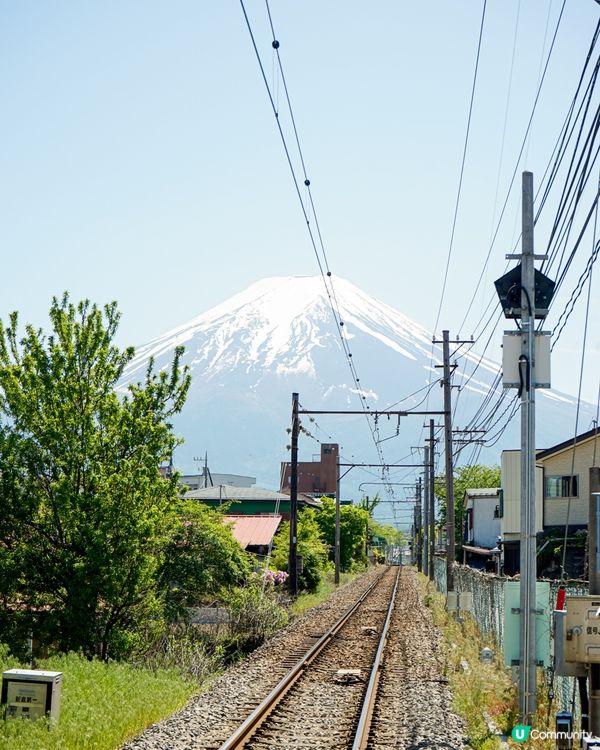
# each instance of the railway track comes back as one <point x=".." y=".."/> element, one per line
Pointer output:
<point x="372" y="679"/>
<point x="319" y="702"/>
<point x="411" y="703"/>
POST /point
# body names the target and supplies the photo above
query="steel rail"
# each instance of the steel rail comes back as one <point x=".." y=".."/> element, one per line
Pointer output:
<point x="361" y="737"/>
<point x="243" y="732"/>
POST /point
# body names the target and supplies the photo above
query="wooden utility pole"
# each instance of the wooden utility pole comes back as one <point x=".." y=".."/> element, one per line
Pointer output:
<point x="414" y="537"/>
<point x="449" y="463"/>
<point x="293" y="557"/>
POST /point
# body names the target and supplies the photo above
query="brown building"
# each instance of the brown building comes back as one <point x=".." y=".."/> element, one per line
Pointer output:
<point x="315" y="478"/>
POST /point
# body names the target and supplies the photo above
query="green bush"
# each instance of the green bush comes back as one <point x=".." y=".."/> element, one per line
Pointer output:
<point x="255" y="615"/>
<point x="353" y="525"/>
<point x="86" y="515"/>
<point x="182" y="647"/>
<point x="311" y="546"/>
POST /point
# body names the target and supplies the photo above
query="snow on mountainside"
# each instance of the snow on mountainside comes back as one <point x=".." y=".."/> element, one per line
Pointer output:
<point x="248" y="354"/>
<point x="277" y="323"/>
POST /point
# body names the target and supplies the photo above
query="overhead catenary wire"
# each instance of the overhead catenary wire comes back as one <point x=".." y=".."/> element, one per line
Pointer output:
<point x="327" y="279"/>
<point x="567" y="132"/>
<point x="572" y="194"/>
<point x="493" y="439"/>
<point x="317" y="247"/>
<point x="576" y="293"/>
<point x="500" y="162"/>
<point x="495" y="234"/>
<point x="459" y="187"/>
<point x="540" y="65"/>
<point x="557" y="155"/>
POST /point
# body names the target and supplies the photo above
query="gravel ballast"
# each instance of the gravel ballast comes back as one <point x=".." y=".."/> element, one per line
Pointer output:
<point x="413" y="709"/>
<point x="209" y="718"/>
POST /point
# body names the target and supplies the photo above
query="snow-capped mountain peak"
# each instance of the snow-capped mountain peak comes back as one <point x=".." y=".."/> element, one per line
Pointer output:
<point x="279" y="322"/>
<point x="283" y="335"/>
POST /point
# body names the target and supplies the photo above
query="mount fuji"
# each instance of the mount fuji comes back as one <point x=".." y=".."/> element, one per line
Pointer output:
<point x="280" y="335"/>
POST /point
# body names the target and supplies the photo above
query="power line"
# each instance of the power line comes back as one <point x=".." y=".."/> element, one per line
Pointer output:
<point x="462" y="169"/>
<point x="582" y="172"/>
<point x="323" y="263"/>
<point x="581" y="368"/>
<point x="518" y="161"/>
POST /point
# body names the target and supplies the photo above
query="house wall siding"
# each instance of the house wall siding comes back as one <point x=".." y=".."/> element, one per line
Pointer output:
<point x="555" y="508"/>
<point x="510" y="470"/>
<point x="486" y="528"/>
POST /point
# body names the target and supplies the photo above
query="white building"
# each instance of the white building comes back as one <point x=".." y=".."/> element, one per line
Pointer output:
<point x="482" y="517"/>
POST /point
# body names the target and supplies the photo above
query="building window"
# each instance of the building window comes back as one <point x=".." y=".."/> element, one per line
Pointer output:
<point x="562" y="486"/>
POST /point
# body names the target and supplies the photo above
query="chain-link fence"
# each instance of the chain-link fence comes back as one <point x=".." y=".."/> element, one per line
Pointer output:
<point x="488" y="611"/>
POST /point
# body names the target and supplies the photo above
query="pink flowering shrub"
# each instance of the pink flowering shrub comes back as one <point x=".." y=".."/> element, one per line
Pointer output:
<point x="275" y="576"/>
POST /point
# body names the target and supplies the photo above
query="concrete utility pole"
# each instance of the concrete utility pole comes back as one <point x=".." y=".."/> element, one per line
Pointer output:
<point x="293" y="557"/>
<point x="431" y="500"/>
<point x="594" y="574"/>
<point x="527" y="671"/>
<point x="449" y="468"/>
<point x="526" y="293"/>
<point x="450" y="533"/>
<point x="413" y="531"/>
<point x="419" y="526"/>
<point x="427" y="561"/>
<point x="337" y="525"/>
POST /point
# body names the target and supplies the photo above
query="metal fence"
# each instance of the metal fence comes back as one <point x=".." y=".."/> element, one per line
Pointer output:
<point x="488" y="612"/>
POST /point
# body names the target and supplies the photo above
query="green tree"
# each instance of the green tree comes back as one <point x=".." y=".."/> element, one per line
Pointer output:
<point x="389" y="533"/>
<point x="353" y="524"/>
<point x="477" y="476"/>
<point x="310" y="545"/>
<point x="369" y="504"/>
<point x="86" y="515"/>
<point x="201" y="558"/>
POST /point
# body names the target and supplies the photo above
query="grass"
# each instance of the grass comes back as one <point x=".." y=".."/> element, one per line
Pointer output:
<point x="483" y="694"/>
<point x="326" y="589"/>
<point x="102" y="705"/>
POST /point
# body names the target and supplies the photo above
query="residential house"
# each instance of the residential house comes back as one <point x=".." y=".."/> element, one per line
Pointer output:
<point x="254" y="533"/>
<point x="562" y="490"/>
<point x="208" y="479"/>
<point x="510" y="508"/>
<point x="250" y="501"/>
<point x="566" y="469"/>
<point x="567" y="480"/>
<point x="481" y="527"/>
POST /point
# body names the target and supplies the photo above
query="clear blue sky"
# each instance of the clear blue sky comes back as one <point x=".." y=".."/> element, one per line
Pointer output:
<point x="140" y="159"/>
